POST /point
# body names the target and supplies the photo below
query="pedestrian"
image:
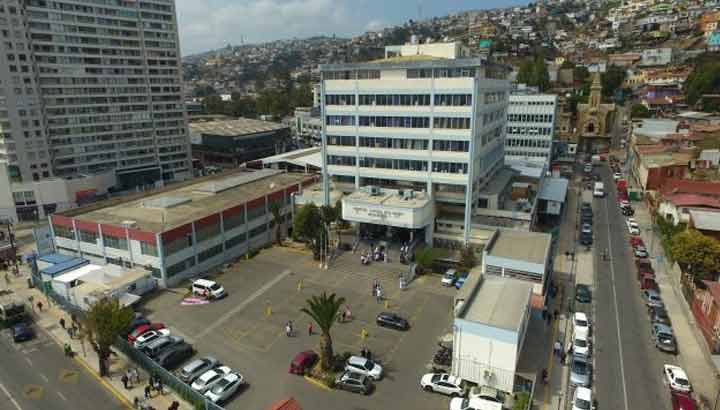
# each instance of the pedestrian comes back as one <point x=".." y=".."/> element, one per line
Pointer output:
<point x="147" y="391"/>
<point x="136" y="402"/>
<point x="287" y="329"/>
<point x="342" y="316"/>
<point x="31" y="299"/>
<point x="562" y="357"/>
<point x="135" y="375"/>
<point x="544" y="312"/>
<point x="128" y="375"/>
<point x="73" y="318"/>
<point x="62" y="323"/>
<point x="549" y="319"/>
<point x="557" y="348"/>
<point x="7" y="279"/>
<point x="40" y="306"/>
<point x="379" y="294"/>
<point x="363" y="352"/>
<point x="158" y="385"/>
<point x="368" y="354"/>
<point x="556" y="314"/>
<point x="174" y="406"/>
<point x="124" y="380"/>
<point x="310" y="329"/>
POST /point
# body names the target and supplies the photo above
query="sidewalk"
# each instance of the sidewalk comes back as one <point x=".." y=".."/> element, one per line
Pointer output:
<point x="694" y="355"/>
<point x="49" y="319"/>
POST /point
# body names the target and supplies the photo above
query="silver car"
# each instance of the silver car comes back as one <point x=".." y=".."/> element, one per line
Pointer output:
<point x="194" y="369"/>
<point x="580" y="372"/>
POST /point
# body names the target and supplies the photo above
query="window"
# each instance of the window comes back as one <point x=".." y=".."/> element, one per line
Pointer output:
<point x="235" y="241"/>
<point x="453" y="99"/>
<point x="340" y="99"/>
<point x="450" y="167"/>
<point x="451" y="123"/>
<point x="257" y="231"/>
<point x="114" y="242"/>
<point x="395" y="99"/>
<point x="149" y="249"/>
<point x="345" y="120"/>
<point x="233" y="221"/>
<point x="396" y="122"/>
<point x="257" y="212"/>
<point x="340" y="160"/>
<point x="368" y="74"/>
<point x="394" y="143"/>
<point x="203" y="233"/>
<point x="419" y="73"/>
<point x="399" y="164"/>
<point x="177" y="245"/>
<point x="179" y="267"/>
<point x="455" y="146"/>
<point x="342" y="140"/>
<point x="339" y="75"/>
<point x="64" y="232"/>
<point x="89" y="237"/>
<point x="209" y="253"/>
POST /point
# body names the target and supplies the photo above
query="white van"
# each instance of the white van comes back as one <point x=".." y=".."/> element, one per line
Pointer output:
<point x="599" y="190"/>
<point x="204" y="287"/>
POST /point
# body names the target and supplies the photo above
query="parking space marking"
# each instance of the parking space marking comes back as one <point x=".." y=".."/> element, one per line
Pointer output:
<point x="229" y="314"/>
<point x="9" y="396"/>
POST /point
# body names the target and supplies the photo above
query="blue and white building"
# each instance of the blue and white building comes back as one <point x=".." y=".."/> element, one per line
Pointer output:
<point x="423" y="120"/>
<point x="530" y="127"/>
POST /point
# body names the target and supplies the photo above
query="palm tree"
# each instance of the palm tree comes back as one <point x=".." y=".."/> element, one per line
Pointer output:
<point x="324" y="310"/>
<point x="277" y="220"/>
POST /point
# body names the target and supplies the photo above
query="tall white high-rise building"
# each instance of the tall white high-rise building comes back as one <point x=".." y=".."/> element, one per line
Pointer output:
<point x="90" y="99"/>
<point x="530" y="127"/>
<point x="415" y="133"/>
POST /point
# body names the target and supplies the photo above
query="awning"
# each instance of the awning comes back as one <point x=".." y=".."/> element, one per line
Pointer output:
<point x="75" y="274"/>
<point x="60" y="268"/>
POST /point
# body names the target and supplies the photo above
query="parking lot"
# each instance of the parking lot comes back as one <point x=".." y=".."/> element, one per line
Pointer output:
<point x="239" y="332"/>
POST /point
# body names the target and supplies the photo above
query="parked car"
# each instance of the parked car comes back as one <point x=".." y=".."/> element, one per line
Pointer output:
<point x="354" y="382"/>
<point x="617" y="176"/>
<point x="147" y="337"/>
<point x="461" y="279"/>
<point x="658" y="314"/>
<point x="633" y="228"/>
<point x="586" y="218"/>
<point x="448" y="279"/>
<point x="194" y="369"/>
<point x="586" y="229"/>
<point x="209" y="378"/>
<point x="459" y="403"/>
<point x="586" y="239"/>
<point x="588" y="168"/>
<point x="628" y="211"/>
<point x="580" y="344"/>
<point x="22" y="332"/>
<point x="303" y="362"/>
<point x="221" y="391"/>
<point x="171" y="358"/>
<point x="392" y="320"/>
<point x="582" y="293"/>
<point x="676" y="378"/>
<point x="138" y="320"/>
<point x="443" y="383"/>
<point x="623" y="204"/>
<point x="640" y="252"/>
<point x="209" y="288"/>
<point x="486" y="393"/>
<point x="581" y="324"/>
<point x="582" y="399"/>
<point x="652" y="298"/>
<point x="663" y="338"/>
<point x="682" y="401"/>
<point x="155" y="347"/>
<point x="362" y="365"/>
<point x="580" y="372"/>
<point x="139" y="330"/>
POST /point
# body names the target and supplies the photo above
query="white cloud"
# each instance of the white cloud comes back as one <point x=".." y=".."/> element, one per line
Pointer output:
<point x="207" y="24"/>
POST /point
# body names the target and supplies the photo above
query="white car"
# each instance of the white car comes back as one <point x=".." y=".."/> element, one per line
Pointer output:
<point x="617" y="176"/>
<point x="581" y="324"/>
<point x="449" y="278"/>
<point x="582" y="399"/>
<point x="633" y="227"/>
<point x="225" y="387"/>
<point x="459" y="403"/>
<point x="209" y="378"/>
<point x="677" y="379"/>
<point x="443" y="383"/>
<point x="147" y="337"/>
<point x="580" y="344"/>
<point x="357" y="364"/>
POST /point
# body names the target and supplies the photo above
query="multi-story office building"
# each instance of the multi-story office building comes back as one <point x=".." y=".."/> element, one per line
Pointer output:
<point x="409" y="132"/>
<point x="530" y="127"/>
<point x="91" y="99"/>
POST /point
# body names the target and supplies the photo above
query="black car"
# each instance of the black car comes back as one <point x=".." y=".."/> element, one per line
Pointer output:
<point x="22" y="332"/>
<point x="628" y="211"/>
<point x="658" y="314"/>
<point x="586" y="239"/>
<point x="392" y="320"/>
<point x="582" y="293"/>
<point x="173" y="357"/>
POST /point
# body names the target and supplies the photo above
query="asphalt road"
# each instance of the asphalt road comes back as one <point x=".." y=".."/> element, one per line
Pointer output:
<point x="36" y="375"/>
<point x="628" y="370"/>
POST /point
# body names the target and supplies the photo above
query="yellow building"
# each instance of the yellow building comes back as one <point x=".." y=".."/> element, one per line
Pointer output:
<point x="595" y="120"/>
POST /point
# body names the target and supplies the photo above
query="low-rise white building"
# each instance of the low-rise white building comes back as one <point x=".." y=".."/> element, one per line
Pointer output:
<point x="489" y="331"/>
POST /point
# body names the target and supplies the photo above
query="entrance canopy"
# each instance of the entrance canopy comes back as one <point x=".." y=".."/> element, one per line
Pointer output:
<point x="389" y="207"/>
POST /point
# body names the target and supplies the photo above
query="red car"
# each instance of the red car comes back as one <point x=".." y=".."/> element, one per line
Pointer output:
<point x="142" y="329"/>
<point x="682" y="401"/>
<point x="302" y="362"/>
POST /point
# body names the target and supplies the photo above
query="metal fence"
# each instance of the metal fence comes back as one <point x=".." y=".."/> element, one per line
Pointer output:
<point x="196" y="399"/>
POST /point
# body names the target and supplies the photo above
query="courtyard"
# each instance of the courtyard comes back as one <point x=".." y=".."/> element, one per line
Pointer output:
<point x="239" y="332"/>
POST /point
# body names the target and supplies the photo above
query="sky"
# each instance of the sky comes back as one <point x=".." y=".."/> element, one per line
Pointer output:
<point x="210" y="24"/>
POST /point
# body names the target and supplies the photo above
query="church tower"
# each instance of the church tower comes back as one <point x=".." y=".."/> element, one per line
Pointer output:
<point x="595" y="92"/>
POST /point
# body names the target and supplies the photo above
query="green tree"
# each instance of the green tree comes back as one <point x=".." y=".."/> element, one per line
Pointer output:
<point x="467" y="259"/>
<point x="581" y="74"/>
<point x="697" y="254"/>
<point x="612" y="80"/>
<point x="104" y="323"/>
<point x="525" y="72"/>
<point x="704" y="79"/>
<point x="307" y="223"/>
<point x="424" y="258"/>
<point x="639" y="111"/>
<point x="275" y="210"/>
<point x="214" y="105"/>
<point x="324" y="310"/>
<point x="534" y="73"/>
<point x="521" y="401"/>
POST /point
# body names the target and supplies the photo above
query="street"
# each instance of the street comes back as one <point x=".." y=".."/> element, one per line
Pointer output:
<point x="37" y="375"/>
<point x="628" y="366"/>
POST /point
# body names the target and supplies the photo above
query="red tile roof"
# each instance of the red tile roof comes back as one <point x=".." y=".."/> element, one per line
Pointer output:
<point x="693" y="200"/>
<point x="714" y="289"/>
<point x="679" y="186"/>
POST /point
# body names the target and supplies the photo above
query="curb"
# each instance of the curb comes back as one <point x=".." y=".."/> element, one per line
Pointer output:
<point x="316" y="383"/>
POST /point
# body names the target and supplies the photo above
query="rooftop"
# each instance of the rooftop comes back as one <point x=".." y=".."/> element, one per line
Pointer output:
<point x="554" y="189"/>
<point x="161" y="211"/>
<point x="499" y="302"/>
<point x="302" y="157"/>
<point x="389" y="197"/>
<point x="530" y="247"/>
<point x="705" y="220"/>
<point x="234" y="128"/>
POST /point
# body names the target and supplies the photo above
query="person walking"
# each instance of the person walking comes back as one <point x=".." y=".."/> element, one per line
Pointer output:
<point x="124" y="380"/>
<point x="310" y="329"/>
<point x="128" y="375"/>
<point x="62" y="323"/>
<point x="147" y="391"/>
<point x="287" y="329"/>
<point x="40" y="306"/>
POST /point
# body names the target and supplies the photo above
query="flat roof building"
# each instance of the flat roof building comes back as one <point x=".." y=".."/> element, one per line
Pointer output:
<point x="423" y="119"/>
<point x="184" y="230"/>
<point x="530" y="127"/>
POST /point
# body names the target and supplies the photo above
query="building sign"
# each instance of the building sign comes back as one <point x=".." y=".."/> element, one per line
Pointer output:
<point x="388" y="216"/>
